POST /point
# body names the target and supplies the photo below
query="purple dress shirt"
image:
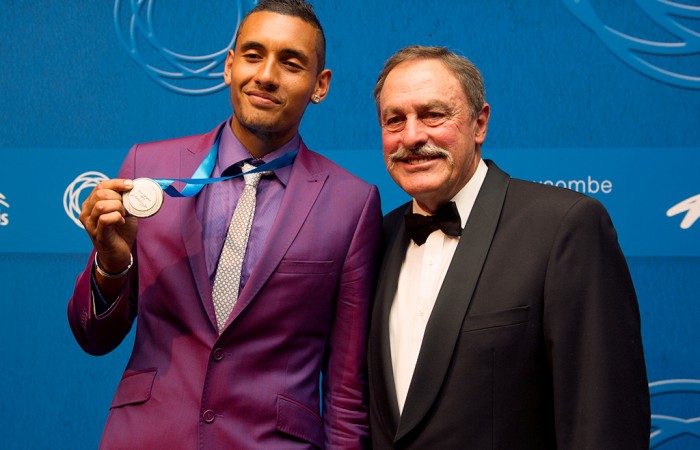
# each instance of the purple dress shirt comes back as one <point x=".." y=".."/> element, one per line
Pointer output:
<point x="217" y="201"/>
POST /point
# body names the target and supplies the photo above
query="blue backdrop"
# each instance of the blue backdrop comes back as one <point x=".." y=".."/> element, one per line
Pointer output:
<point x="597" y="96"/>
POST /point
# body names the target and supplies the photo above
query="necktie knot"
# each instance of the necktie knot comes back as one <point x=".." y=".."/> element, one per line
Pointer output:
<point x="251" y="179"/>
<point x="447" y="219"/>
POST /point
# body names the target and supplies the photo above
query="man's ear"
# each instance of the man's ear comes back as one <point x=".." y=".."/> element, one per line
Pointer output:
<point x="481" y="124"/>
<point x="323" y="83"/>
<point x="228" y="67"/>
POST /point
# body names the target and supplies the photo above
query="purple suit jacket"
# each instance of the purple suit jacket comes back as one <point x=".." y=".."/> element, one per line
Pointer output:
<point x="304" y="311"/>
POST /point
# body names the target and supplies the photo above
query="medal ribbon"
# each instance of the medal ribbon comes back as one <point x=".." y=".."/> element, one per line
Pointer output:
<point x="202" y="176"/>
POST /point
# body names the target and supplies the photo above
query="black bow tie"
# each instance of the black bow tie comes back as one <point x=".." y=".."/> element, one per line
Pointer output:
<point x="446" y="219"/>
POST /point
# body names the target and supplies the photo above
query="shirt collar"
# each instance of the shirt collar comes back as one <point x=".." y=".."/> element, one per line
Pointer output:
<point x="465" y="198"/>
<point x="231" y="152"/>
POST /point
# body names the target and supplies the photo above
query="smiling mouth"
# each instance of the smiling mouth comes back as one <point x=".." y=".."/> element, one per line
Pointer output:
<point x="418" y="160"/>
<point x="411" y="161"/>
<point x="264" y="96"/>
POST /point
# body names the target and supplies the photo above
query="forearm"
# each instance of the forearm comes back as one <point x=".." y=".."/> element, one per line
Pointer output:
<point x="98" y="330"/>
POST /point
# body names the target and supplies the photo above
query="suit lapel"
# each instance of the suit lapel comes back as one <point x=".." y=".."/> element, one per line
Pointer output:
<point x="191" y="158"/>
<point x="381" y="369"/>
<point x="305" y="184"/>
<point x="444" y="325"/>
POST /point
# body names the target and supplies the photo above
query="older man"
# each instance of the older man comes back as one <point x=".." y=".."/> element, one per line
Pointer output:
<point x="505" y="316"/>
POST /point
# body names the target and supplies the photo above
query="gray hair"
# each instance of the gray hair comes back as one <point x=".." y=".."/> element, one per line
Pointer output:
<point x="464" y="70"/>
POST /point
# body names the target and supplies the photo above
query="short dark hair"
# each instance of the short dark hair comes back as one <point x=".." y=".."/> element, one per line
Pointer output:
<point x="294" y="8"/>
<point x="464" y="70"/>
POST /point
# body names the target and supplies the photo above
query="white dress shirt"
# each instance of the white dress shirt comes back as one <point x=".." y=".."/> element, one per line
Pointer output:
<point x="422" y="273"/>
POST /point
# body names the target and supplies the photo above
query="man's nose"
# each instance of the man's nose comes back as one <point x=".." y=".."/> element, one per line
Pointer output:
<point x="414" y="134"/>
<point x="267" y="74"/>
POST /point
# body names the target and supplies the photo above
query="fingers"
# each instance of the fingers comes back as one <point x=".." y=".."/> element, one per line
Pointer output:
<point x="104" y="200"/>
<point x="103" y="216"/>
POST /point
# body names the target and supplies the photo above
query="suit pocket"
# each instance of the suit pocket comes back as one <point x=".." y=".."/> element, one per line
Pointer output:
<point x="297" y="420"/>
<point x="308" y="267"/>
<point x="496" y="319"/>
<point x="134" y="388"/>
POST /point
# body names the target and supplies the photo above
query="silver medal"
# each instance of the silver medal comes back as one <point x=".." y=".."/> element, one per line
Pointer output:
<point x="144" y="199"/>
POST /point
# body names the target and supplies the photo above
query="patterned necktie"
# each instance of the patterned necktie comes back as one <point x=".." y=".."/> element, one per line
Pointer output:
<point x="419" y="227"/>
<point x="228" y="272"/>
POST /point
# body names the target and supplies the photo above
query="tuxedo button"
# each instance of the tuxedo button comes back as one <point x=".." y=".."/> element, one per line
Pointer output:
<point x="218" y="354"/>
<point x="208" y="416"/>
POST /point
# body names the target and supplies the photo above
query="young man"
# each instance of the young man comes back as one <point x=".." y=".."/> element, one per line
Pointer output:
<point x="505" y="316"/>
<point x="231" y="358"/>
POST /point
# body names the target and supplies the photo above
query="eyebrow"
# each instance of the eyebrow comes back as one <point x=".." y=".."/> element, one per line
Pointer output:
<point x="285" y="52"/>
<point x="434" y="104"/>
<point x="388" y="111"/>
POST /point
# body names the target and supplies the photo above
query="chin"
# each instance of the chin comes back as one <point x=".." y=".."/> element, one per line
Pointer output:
<point x="418" y="183"/>
<point x="419" y="191"/>
<point x="260" y="124"/>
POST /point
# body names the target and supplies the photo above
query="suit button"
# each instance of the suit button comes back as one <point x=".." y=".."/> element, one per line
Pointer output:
<point x="218" y="354"/>
<point x="208" y="416"/>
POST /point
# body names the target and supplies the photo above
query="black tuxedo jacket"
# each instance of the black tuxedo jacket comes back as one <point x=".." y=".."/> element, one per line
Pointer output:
<point x="534" y="341"/>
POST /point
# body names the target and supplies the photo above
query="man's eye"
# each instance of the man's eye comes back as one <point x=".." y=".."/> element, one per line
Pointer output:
<point x="292" y="65"/>
<point x="434" y="118"/>
<point x="251" y="56"/>
<point x="393" y="123"/>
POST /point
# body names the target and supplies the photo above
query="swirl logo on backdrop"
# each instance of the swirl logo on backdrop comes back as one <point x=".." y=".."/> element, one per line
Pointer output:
<point x="180" y="73"/>
<point x="4" y="216"/>
<point x="669" y="60"/>
<point x="666" y="428"/>
<point x="72" y="197"/>
<point x="691" y="208"/>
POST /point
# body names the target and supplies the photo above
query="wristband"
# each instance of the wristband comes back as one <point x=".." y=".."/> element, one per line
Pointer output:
<point x="109" y="275"/>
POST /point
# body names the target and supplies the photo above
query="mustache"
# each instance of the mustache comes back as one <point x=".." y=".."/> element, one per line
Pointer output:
<point x="424" y="151"/>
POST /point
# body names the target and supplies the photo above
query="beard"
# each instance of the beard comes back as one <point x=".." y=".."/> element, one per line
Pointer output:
<point x="258" y="123"/>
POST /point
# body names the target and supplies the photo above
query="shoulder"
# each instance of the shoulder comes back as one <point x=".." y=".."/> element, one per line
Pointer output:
<point x="538" y="195"/>
<point x="525" y="194"/>
<point x="163" y="155"/>
<point x="539" y="203"/>
<point x="193" y="142"/>
<point x="316" y="163"/>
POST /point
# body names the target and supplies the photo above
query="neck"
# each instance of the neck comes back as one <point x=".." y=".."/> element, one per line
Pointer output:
<point x="430" y="207"/>
<point x="260" y="143"/>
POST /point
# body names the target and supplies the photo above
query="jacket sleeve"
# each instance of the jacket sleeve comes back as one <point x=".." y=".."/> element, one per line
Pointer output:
<point x="593" y="337"/>
<point x="345" y="402"/>
<point x="99" y="332"/>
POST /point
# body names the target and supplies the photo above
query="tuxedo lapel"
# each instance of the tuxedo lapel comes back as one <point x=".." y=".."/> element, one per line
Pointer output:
<point x="444" y="325"/>
<point x="190" y="159"/>
<point x="381" y="369"/>
<point x="305" y="184"/>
